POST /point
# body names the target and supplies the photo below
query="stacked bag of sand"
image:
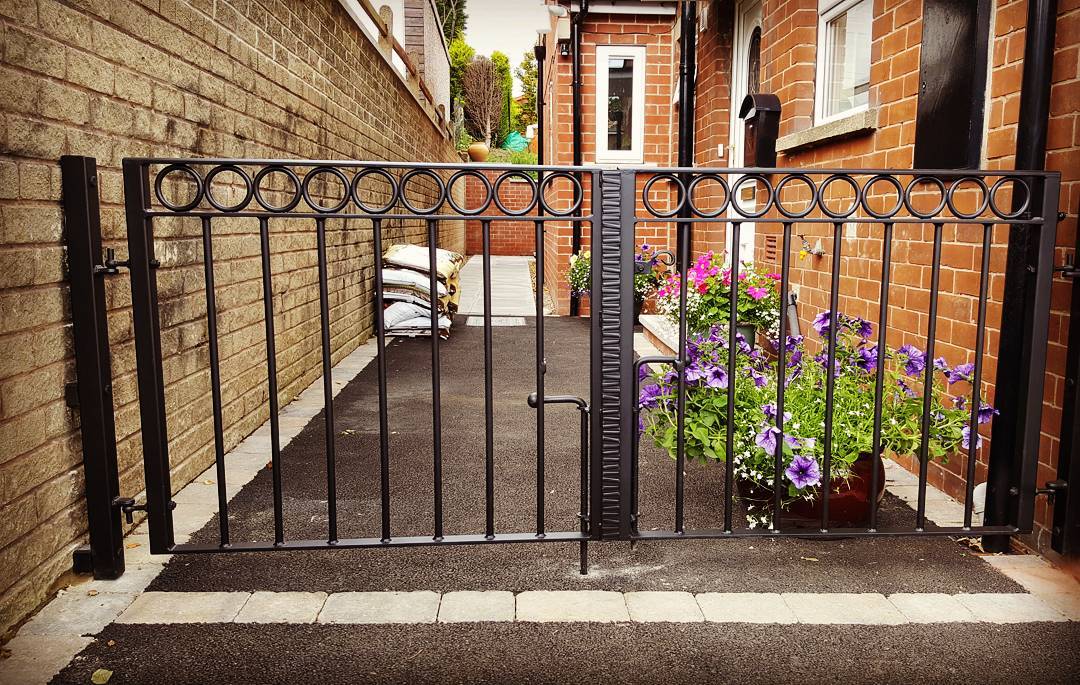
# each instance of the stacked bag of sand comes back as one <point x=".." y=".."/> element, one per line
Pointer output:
<point x="407" y="296"/>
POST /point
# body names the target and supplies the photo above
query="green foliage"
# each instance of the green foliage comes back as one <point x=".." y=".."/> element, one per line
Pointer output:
<point x="526" y="75"/>
<point x="579" y="275"/>
<point x="460" y="56"/>
<point x="502" y="68"/>
<point x="453" y="17"/>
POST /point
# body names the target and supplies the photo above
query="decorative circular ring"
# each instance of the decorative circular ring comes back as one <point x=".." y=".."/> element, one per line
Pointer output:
<point x="768" y="201"/>
<point x="911" y="186"/>
<point x="306" y="185"/>
<point x="210" y="190"/>
<point x="483" y="181"/>
<point x="648" y="186"/>
<point x="694" y="182"/>
<point x="955" y="185"/>
<point x="266" y="171"/>
<point x="891" y="180"/>
<point x="354" y="190"/>
<point x="503" y="178"/>
<point x="1027" y="196"/>
<point x="579" y="194"/>
<point x="813" y="195"/>
<point x="184" y="169"/>
<point x="854" y="204"/>
<point x="415" y="173"/>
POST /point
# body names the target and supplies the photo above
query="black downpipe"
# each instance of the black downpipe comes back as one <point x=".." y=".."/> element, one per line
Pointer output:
<point x="687" y="93"/>
<point x="575" y="89"/>
<point x="1006" y="448"/>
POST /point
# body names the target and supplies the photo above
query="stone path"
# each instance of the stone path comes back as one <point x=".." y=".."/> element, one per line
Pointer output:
<point x="511" y="292"/>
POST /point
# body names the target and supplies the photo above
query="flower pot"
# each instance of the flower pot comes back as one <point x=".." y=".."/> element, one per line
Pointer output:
<point x="849" y="501"/>
<point x="478" y="152"/>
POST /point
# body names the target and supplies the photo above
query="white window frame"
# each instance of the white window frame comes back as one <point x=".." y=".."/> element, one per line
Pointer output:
<point x="827" y="11"/>
<point x="636" y="153"/>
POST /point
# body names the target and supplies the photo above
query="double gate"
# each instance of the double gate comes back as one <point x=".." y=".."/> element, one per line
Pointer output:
<point x="870" y="227"/>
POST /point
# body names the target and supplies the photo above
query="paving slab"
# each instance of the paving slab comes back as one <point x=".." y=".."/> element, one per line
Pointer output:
<point x="931" y="608"/>
<point x="668" y="607"/>
<point x="78" y="612"/>
<point x="1009" y="608"/>
<point x="35" y="659"/>
<point x="186" y="607"/>
<point x="839" y="608"/>
<point x="381" y="607"/>
<point x="487" y="605"/>
<point x="597" y="606"/>
<point x="282" y="607"/>
<point x="745" y="607"/>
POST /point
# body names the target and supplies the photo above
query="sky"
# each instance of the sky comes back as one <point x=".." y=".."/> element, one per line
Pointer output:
<point x="508" y="26"/>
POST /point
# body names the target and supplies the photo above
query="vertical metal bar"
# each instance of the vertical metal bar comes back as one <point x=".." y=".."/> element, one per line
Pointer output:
<point x="328" y="385"/>
<point x="90" y="334"/>
<point x="215" y="380"/>
<point x="733" y="323"/>
<point x="830" y="373"/>
<point x="781" y="377"/>
<point x="683" y="265"/>
<point x="489" y="389"/>
<point x="928" y="384"/>
<point x="584" y="515"/>
<point x="436" y="374"/>
<point x="879" y="384"/>
<point x="384" y="421"/>
<point x="144" y="312"/>
<point x="1065" y="531"/>
<point x="271" y="378"/>
<point x="541" y="364"/>
<point x="976" y="378"/>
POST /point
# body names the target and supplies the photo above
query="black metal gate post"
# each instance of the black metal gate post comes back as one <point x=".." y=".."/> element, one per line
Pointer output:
<point x="612" y="353"/>
<point x="1065" y="534"/>
<point x="144" y="311"/>
<point x="86" y="274"/>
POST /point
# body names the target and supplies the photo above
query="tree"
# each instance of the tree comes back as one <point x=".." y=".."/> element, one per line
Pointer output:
<point x="460" y="56"/>
<point x="506" y="84"/>
<point x="484" y="96"/>
<point x="453" y="17"/>
<point x="526" y="74"/>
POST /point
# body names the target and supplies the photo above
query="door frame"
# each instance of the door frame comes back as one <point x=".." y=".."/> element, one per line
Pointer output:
<point x="748" y="16"/>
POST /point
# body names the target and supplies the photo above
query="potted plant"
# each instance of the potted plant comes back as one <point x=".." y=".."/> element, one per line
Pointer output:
<point x="648" y="274"/>
<point x="757" y="436"/>
<point x="708" y="297"/>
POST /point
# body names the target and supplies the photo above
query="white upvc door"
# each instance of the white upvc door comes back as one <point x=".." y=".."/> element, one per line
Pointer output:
<point x="746" y="57"/>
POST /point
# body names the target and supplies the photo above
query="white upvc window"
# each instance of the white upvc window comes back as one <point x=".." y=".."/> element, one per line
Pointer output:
<point x="843" y="60"/>
<point x="620" y="104"/>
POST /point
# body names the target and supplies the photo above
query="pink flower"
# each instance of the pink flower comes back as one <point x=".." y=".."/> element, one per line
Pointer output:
<point x="756" y="292"/>
<point x="775" y="277"/>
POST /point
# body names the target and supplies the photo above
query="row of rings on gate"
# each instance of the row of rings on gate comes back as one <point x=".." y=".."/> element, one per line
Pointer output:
<point x="685" y="192"/>
<point x="301" y="190"/>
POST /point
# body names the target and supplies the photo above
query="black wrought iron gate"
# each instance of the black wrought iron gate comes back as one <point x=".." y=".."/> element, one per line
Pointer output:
<point x="855" y="209"/>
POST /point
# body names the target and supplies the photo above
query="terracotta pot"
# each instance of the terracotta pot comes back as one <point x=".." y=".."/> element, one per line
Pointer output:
<point x="478" y="152"/>
<point x="849" y="503"/>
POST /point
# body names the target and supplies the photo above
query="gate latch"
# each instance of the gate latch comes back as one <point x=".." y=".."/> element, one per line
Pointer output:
<point x="1052" y="488"/>
<point x="1069" y="269"/>
<point x="128" y="506"/>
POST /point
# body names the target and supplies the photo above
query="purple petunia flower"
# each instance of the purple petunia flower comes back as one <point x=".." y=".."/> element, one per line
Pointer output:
<point x="962" y="372"/>
<point x="769" y="410"/>
<point x="822" y="322"/>
<point x="793" y="342"/>
<point x="643" y="372"/>
<point x="766" y="439"/>
<point x="941" y="365"/>
<point x="760" y="380"/>
<point x="695" y="372"/>
<point x="649" y="397"/>
<point x="803" y="472"/>
<point x="905" y="387"/>
<point x="967" y="438"/>
<point x="986" y="413"/>
<point x="916" y="360"/>
<point x="867" y="360"/>
<point x="717" y="377"/>
<point x="959" y="402"/>
<point x="862" y="327"/>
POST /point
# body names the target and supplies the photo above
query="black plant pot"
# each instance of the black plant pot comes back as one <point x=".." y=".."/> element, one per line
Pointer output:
<point x="748" y="332"/>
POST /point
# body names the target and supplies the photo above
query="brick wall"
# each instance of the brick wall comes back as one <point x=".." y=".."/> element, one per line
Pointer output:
<point x="508" y="237"/>
<point x="111" y="79"/>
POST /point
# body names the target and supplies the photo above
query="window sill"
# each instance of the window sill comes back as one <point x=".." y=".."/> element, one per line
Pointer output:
<point x="857" y="124"/>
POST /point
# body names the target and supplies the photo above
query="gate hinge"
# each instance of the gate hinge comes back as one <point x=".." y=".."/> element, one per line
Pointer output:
<point x="1052" y="488"/>
<point x="1069" y="269"/>
<point x="111" y="265"/>
<point x="129" y="507"/>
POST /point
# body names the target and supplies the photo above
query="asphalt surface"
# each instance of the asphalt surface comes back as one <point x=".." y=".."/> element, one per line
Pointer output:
<point x="747" y="565"/>
<point x="582" y="653"/>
